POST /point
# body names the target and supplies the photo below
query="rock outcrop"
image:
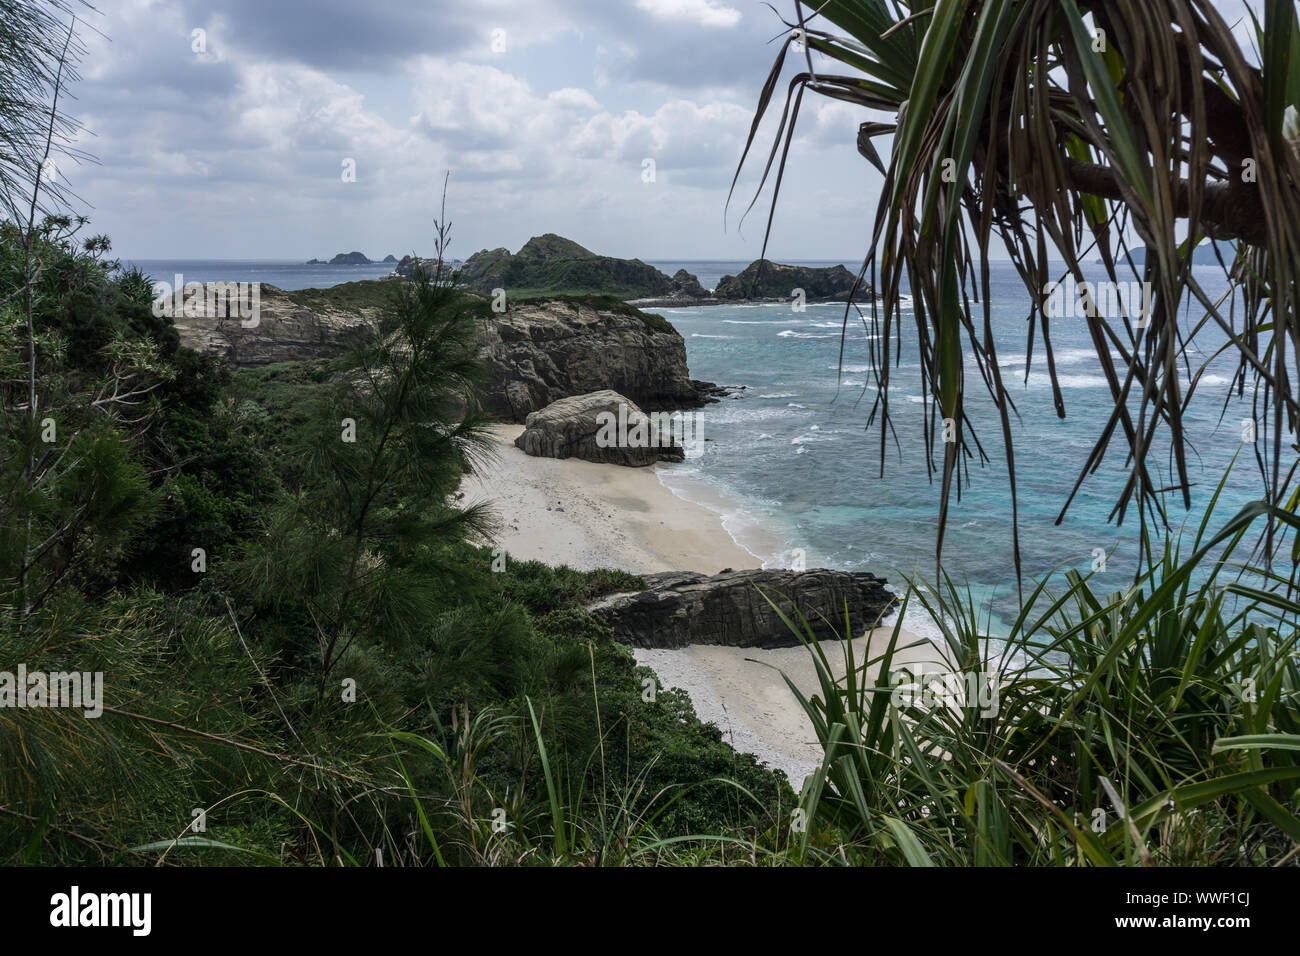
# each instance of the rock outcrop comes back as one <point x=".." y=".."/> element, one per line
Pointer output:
<point x="389" y="258"/>
<point x="278" y="330"/>
<point x="406" y="267"/>
<point x="551" y="263"/>
<point x="681" y="607"/>
<point x="535" y="353"/>
<point x="688" y="285"/>
<point x="540" y="351"/>
<point x="350" y="259"/>
<point x="599" y="426"/>
<point x="763" y="279"/>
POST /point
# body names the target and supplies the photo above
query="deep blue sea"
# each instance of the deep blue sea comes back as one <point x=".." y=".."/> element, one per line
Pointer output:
<point x="792" y="464"/>
<point x="285" y="274"/>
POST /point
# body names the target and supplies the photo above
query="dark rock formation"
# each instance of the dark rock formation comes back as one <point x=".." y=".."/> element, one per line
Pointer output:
<point x="688" y="285"/>
<point x="349" y="259"/>
<point x="599" y="426"/>
<point x="682" y="607"/>
<point x="317" y="262"/>
<point x="543" y="350"/>
<point x="389" y="258"/>
<point x="551" y="263"/>
<point x="406" y="267"/>
<point x="763" y="279"/>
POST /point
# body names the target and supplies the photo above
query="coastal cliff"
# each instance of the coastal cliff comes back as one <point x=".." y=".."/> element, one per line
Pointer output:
<point x="540" y="351"/>
<point x="288" y="328"/>
<point x="536" y="352"/>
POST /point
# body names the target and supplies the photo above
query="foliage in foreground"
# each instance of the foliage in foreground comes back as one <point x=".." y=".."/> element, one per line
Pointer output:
<point x="1054" y="130"/>
<point x="1156" y="725"/>
<point x="292" y="624"/>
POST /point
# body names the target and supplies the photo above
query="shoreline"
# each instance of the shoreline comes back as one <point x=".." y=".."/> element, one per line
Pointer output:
<point x="670" y="303"/>
<point x="589" y="515"/>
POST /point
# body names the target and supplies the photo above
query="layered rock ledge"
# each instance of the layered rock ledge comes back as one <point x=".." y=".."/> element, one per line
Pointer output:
<point x="535" y="353"/>
<point x="680" y="608"/>
<point x="283" y="330"/>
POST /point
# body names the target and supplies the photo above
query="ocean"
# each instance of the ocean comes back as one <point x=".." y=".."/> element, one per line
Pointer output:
<point x="794" y="471"/>
<point x="794" y="465"/>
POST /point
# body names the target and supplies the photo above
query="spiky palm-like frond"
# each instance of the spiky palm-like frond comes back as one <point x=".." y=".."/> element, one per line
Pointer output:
<point x="39" y="52"/>
<point x="1060" y="125"/>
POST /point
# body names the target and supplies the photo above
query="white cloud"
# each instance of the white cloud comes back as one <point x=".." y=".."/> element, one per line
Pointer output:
<point x="706" y="13"/>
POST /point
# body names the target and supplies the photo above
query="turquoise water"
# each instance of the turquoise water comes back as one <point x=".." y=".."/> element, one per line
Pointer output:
<point x="801" y="469"/>
<point x="792" y="464"/>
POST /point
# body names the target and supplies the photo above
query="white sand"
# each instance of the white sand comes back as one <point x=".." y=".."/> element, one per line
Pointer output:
<point x="614" y="516"/>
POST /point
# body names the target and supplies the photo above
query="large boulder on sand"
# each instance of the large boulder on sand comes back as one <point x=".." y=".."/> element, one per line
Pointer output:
<point x="601" y="426"/>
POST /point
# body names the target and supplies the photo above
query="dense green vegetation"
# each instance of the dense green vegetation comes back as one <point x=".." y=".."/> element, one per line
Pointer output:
<point x="296" y="630"/>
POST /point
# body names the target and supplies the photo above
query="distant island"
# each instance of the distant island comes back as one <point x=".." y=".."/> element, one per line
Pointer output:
<point x="1203" y="256"/>
<point x="346" y="259"/>
<point x="552" y="264"/>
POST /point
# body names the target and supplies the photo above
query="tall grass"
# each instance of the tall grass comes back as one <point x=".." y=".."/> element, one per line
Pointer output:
<point x="1156" y="725"/>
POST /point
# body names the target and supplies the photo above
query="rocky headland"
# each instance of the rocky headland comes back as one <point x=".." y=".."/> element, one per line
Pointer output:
<point x="536" y="352"/>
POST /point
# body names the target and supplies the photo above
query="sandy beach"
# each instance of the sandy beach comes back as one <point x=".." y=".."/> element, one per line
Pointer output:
<point x="589" y="515"/>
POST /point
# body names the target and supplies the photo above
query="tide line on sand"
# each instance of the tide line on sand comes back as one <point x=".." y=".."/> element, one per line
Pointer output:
<point x="589" y="515"/>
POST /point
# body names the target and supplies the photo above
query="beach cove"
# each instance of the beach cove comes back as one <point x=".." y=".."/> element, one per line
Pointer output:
<point x="588" y="515"/>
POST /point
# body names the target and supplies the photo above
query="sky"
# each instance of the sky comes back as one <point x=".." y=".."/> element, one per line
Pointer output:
<point x="293" y="129"/>
<point x="238" y="141"/>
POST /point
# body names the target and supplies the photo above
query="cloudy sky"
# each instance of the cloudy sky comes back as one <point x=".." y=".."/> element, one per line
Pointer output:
<point x="225" y="128"/>
<point x="232" y="143"/>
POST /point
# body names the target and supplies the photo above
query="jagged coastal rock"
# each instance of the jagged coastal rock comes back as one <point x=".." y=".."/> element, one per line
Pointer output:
<point x="406" y="267"/>
<point x="389" y="258"/>
<point x="682" y="607"/>
<point x="284" y="330"/>
<point x="689" y="285"/>
<point x="540" y="351"/>
<point x="600" y="426"/>
<point x="763" y="279"/>
<point x="350" y="259"/>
